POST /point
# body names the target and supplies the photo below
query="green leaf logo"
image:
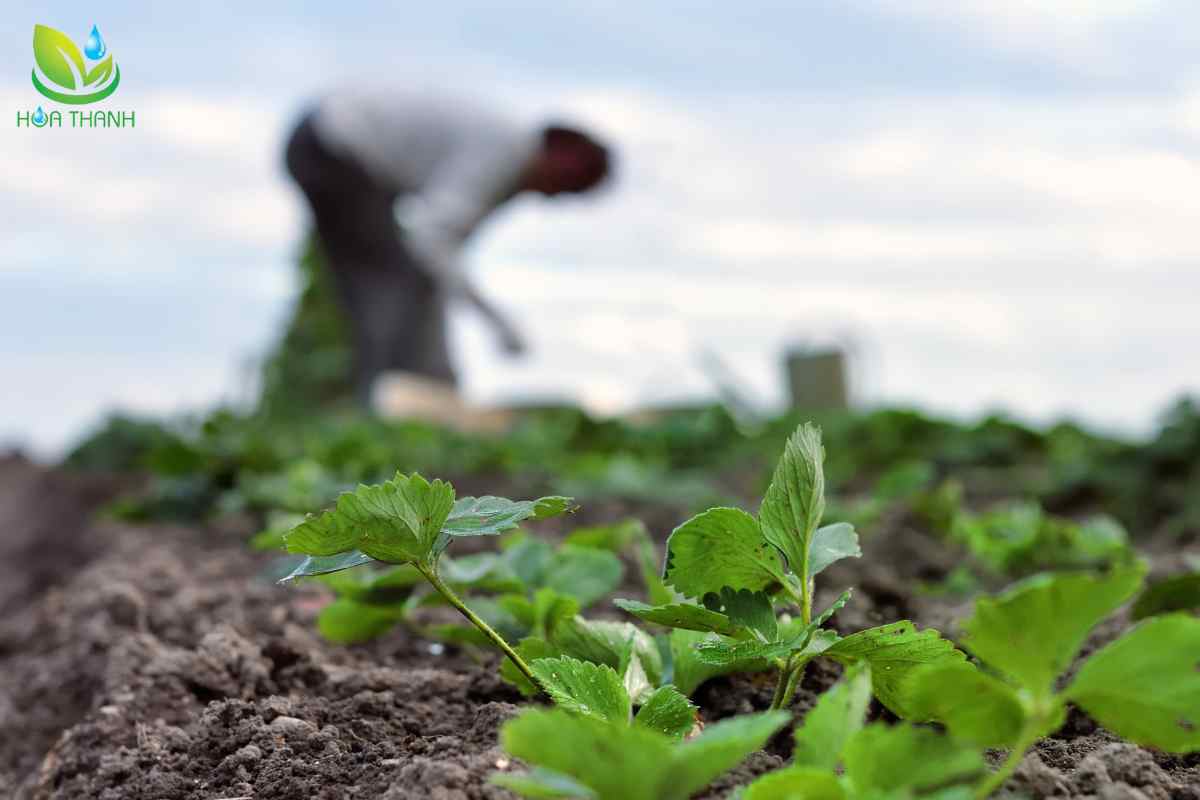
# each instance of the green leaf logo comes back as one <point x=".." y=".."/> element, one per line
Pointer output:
<point x="63" y="74"/>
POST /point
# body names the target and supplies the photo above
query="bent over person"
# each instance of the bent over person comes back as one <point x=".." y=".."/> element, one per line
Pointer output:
<point x="397" y="182"/>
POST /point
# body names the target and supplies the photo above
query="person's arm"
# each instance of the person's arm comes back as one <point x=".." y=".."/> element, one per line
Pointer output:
<point x="457" y="199"/>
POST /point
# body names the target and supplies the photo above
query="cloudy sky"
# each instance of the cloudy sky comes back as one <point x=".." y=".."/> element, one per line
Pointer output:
<point x="992" y="203"/>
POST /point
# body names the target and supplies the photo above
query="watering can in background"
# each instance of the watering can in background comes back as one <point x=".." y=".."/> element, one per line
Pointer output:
<point x="817" y="379"/>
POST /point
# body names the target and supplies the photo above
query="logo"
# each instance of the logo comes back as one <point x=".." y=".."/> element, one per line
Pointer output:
<point x="61" y="72"/>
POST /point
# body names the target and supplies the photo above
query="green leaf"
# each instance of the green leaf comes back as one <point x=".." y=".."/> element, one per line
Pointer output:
<point x="834" y="607"/>
<point x="488" y="516"/>
<point x="689" y="670"/>
<point x="795" y="500"/>
<point x="648" y="563"/>
<point x="633" y="677"/>
<point x="894" y="651"/>
<point x="1145" y="686"/>
<point x="345" y="621"/>
<point x="585" y="573"/>
<point x="475" y="569"/>
<point x="529" y="649"/>
<point x="973" y="706"/>
<point x="550" y="610"/>
<point x="541" y="783"/>
<point x="721" y="653"/>
<point x="720" y="748"/>
<point x="1180" y="593"/>
<point x="832" y="543"/>
<point x="721" y="547"/>
<point x="796" y="783"/>
<point x="614" y="537"/>
<point x="1033" y="630"/>
<point x="388" y="587"/>
<point x="882" y="758"/>
<point x="605" y="642"/>
<point x="746" y="609"/>
<point x="680" y="615"/>
<point x="821" y="641"/>
<point x="398" y="521"/>
<point x="56" y="54"/>
<point x="591" y="689"/>
<point x="668" y="712"/>
<point x="528" y="558"/>
<point x="838" y="715"/>
<point x="323" y="565"/>
<point x="99" y="73"/>
<point x="455" y="633"/>
<point x="614" y="762"/>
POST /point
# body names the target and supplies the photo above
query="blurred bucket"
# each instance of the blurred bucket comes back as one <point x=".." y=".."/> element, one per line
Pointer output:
<point x="817" y="379"/>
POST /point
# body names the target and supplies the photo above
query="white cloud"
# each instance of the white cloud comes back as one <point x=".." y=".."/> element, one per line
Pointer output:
<point x="1075" y="32"/>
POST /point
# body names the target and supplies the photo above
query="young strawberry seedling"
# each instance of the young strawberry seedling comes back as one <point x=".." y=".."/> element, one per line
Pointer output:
<point x="409" y="520"/>
<point x="1144" y="686"/>
<point x="518" y="592"/>
<point x="743" y="569"/>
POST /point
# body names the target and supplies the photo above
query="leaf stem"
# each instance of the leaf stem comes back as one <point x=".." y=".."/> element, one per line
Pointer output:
<point x="431" y="575"/>
<point x="806" y="606"/>
<point x="785" y="673"/>
<point x="789" y="677"/>
<point x="790" y="690"/>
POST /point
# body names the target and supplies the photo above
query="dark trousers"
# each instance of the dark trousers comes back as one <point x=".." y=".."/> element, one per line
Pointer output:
<point x="395" y="309"/>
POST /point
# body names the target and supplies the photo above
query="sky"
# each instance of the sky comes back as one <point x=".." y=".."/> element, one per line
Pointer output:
<point x="990" y="204"/>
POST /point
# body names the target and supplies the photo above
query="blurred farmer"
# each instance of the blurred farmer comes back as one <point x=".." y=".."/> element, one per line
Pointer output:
<point x="450" y="164"/>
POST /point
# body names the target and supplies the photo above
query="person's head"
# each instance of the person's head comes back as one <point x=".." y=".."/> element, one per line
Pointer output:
<point x="568" y="161"/>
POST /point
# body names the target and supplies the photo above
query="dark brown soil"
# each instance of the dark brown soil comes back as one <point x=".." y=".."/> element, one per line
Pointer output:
<point x="155" y="662"/>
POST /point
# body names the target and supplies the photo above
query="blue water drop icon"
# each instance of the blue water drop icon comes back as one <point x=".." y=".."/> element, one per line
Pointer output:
<point x="95" y="48"/>
<point x="39" y="117"/>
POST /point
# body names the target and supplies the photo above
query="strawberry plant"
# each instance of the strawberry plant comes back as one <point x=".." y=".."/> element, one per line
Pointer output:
<point x="1020" y="538"/>
<point x="1145" y="686"/>
<point x="411" y="521"/>
<point x="519" y="592"/>
<point x="734" y="573"/>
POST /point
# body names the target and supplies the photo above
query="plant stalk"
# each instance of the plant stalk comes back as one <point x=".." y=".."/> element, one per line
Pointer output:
<point x="785" y="673"/>
<point x="435" y="580"/>
<point x="806" y="606"/>
<point x="789" y="677"/>
<point x="793" y="681"/>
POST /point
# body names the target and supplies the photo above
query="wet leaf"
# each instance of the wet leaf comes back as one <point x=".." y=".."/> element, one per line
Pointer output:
<point x="581" y="687"/>
<point x="667" y="711"/>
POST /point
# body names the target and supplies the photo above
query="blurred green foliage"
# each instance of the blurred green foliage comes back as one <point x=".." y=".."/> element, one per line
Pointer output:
<point x="685" y="459"/>
<point x="309" y="370"/>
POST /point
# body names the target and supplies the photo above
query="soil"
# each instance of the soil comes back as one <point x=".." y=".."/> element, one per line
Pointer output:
<point x="156" y="662"/>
